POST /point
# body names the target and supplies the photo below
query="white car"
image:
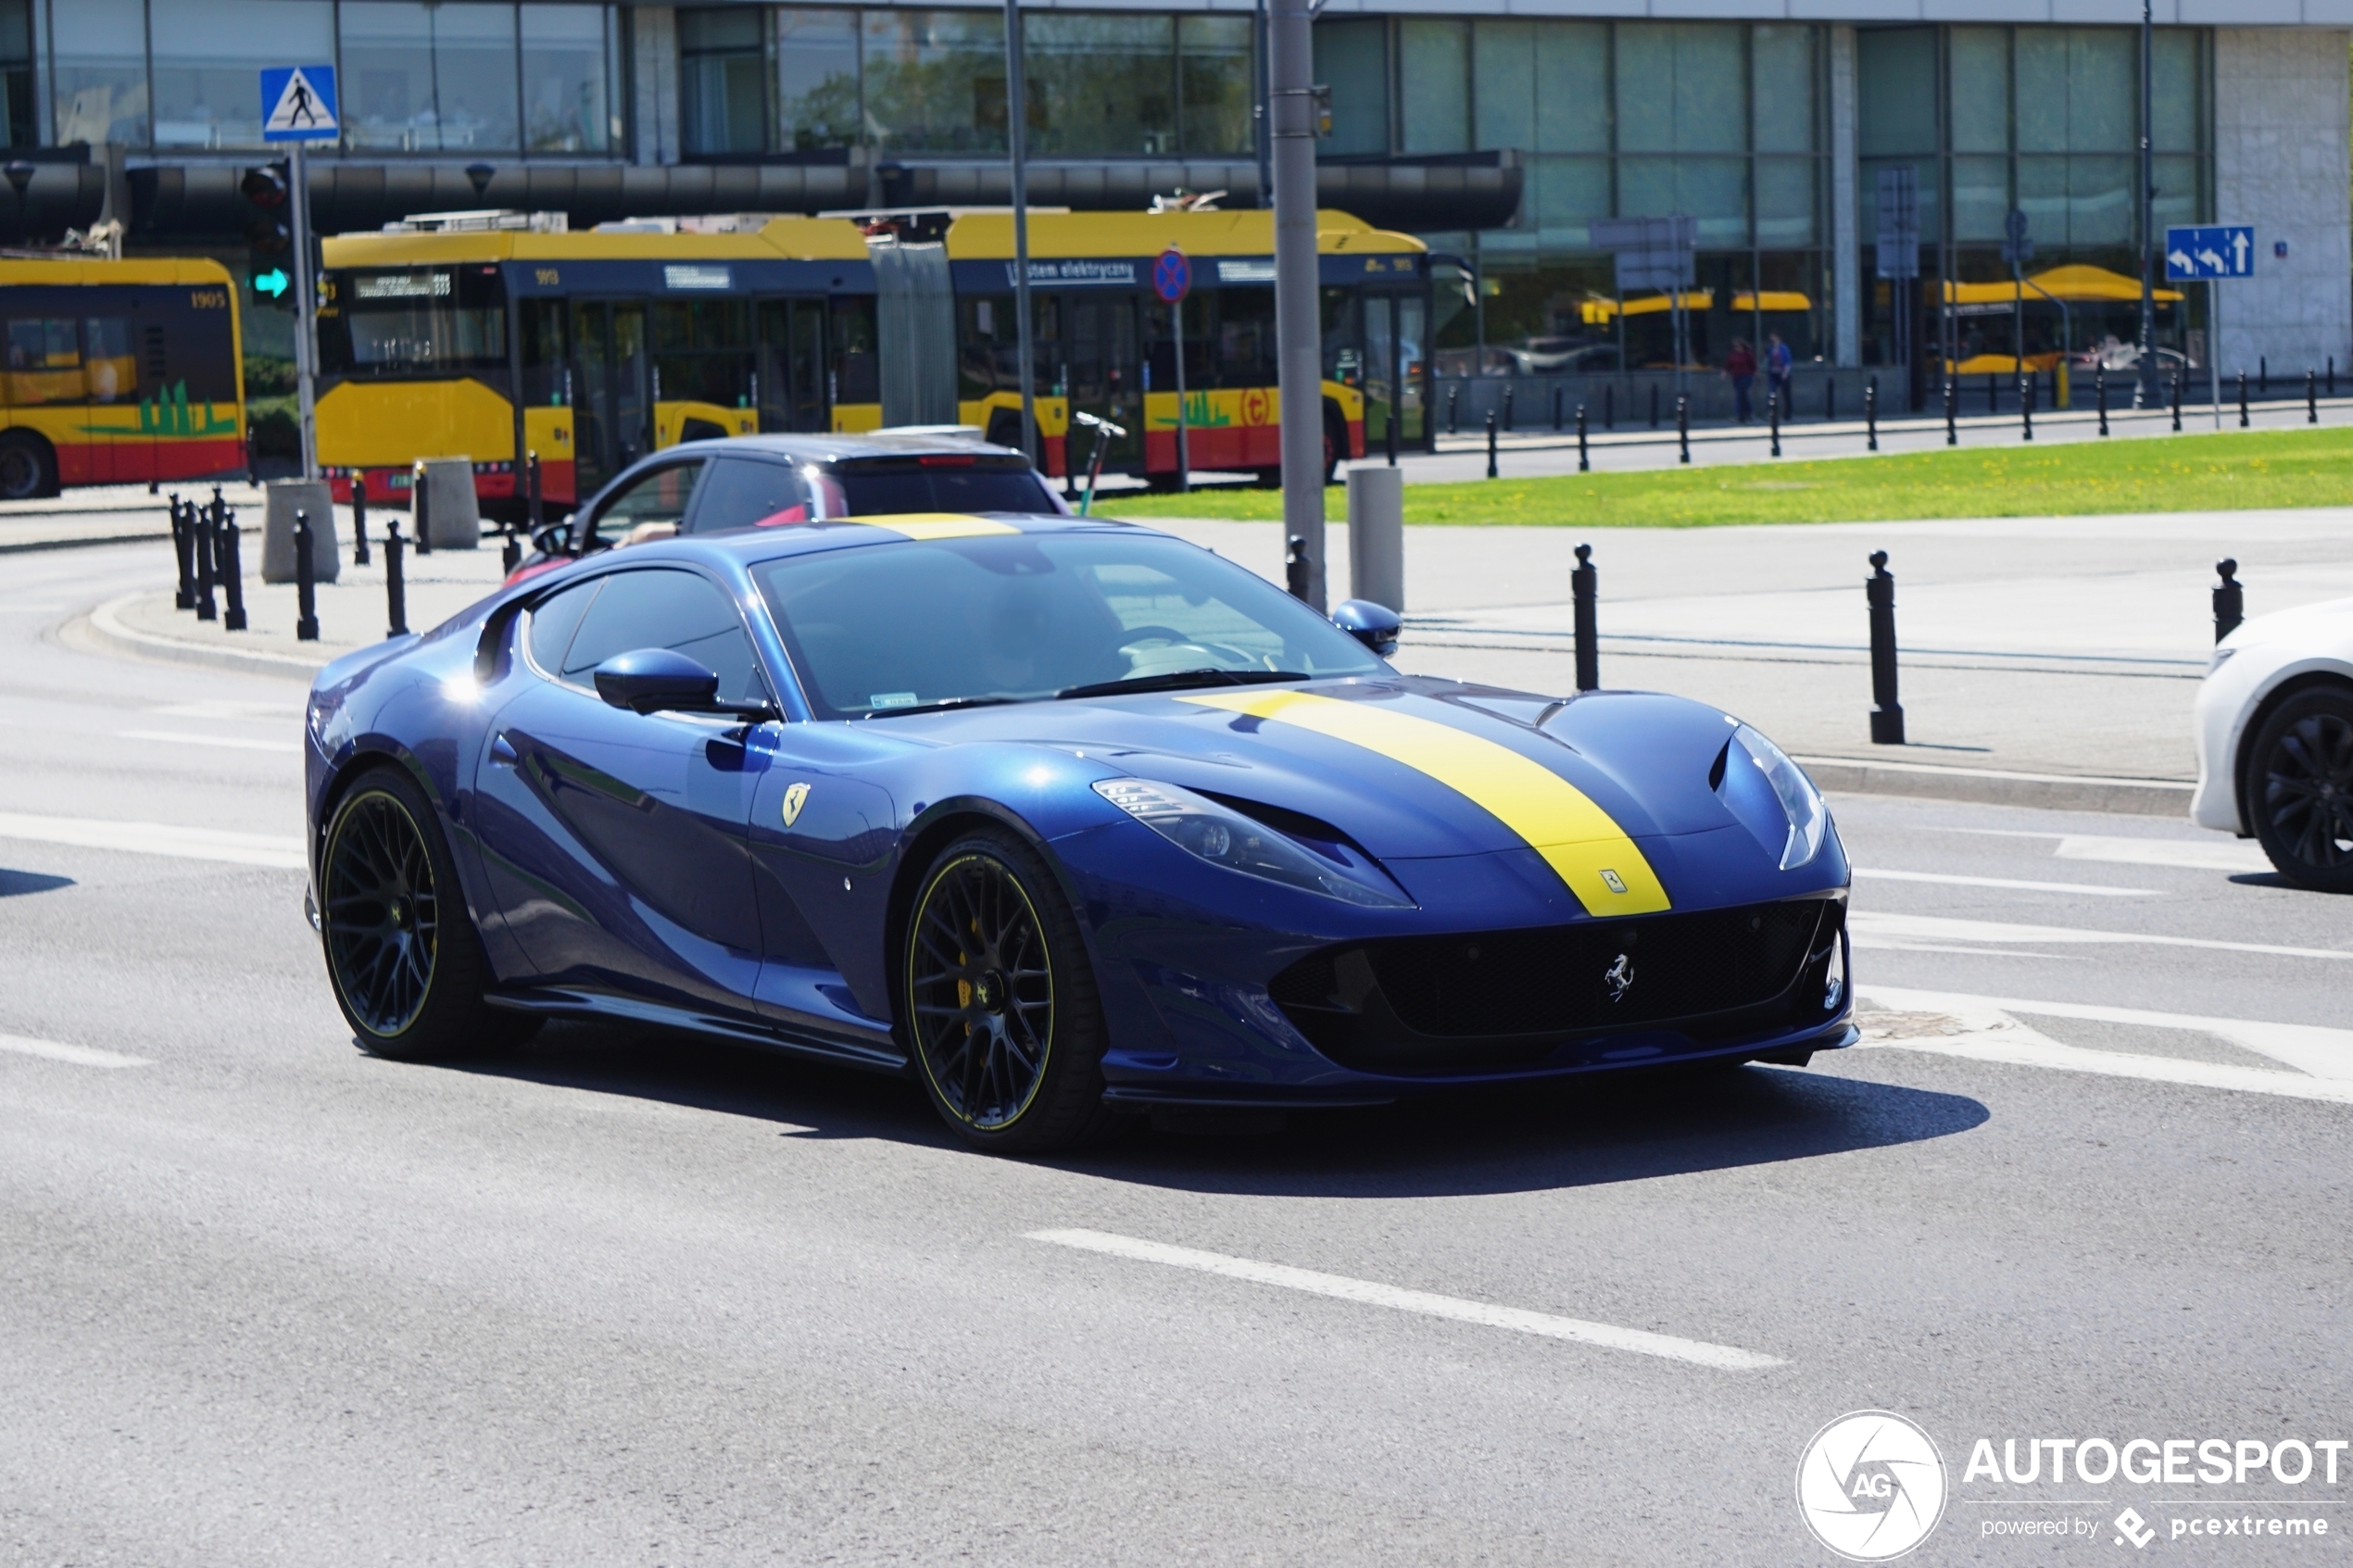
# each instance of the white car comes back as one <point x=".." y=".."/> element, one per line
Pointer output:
<point x="2275" y="742"/>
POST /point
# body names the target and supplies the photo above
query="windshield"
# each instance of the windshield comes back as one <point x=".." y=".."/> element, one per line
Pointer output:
<point x="1025" y="617"/>
<point x="967" y="487"/>
<point x="425" y="321"/>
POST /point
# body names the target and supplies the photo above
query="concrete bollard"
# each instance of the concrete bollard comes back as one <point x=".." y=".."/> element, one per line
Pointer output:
<point x="1377" y="536"/>
<point x="456" y="511"/>
<point x="1584" y="591"/>
<point x="2229" y="599"/>
<point x="286" y="497"/>
<point x="1887" y="713"/>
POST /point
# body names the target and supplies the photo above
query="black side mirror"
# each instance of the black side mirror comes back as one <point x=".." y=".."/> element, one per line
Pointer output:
<point x="665" y="681"/>
<point x="1375" y="625"/>
<point x="555" y="539"/>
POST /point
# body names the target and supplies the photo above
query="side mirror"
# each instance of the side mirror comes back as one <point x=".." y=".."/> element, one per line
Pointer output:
<point x="555" y="539"/>
<point x="651" y="680"/>
<point x="1375" y="625"/>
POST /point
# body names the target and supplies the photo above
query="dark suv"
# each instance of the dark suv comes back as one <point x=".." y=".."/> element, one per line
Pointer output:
<point x="768" y="481"/>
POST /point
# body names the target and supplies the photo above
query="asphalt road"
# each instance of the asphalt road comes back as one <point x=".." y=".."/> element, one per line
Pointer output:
<point x="622" y="1298"/>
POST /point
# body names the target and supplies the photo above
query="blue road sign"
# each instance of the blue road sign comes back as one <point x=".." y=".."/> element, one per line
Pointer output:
<point x="298" y="105"/>
<point x="2209" y="250"/>
<point x="1172" y="275"/>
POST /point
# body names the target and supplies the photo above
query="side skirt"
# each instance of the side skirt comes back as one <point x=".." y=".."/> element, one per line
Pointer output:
<point x="876" y="1056"/>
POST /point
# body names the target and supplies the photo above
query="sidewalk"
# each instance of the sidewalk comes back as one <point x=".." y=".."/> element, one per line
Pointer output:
<point x="111" y="514"/>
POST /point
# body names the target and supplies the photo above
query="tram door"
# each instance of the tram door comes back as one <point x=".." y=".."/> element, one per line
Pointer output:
<point x="791" y="366"/>
<point x="1396" y="369"/>
<point x="1104" y="374"/>
<point x="613" y="418"/>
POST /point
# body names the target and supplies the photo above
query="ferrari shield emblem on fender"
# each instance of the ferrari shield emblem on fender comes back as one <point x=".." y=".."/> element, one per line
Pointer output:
<point x="795" y="797"/>
<point x="1620" y="978"/>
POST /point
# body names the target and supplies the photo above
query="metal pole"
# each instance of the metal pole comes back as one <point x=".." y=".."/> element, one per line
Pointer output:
<point x="1583" y="586"/>
<point x="1017" y="144"/>
<point x="1298" y="321"/>
<point x="306" y="315"/>
<point x="2147" y="378"/>
<point x="2214" y="346"/>
<point x="1952" y="409"/>
<point x="1887" y="713"/>
<point x="1682" y="428"/>
<point x="2099" y="391"/>
<point x="1870" y="415"/>
<point x="1184" y="450"/>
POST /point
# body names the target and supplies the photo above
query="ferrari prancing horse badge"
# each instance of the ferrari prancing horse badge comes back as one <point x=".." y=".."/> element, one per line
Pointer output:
<point x="795" y="795"/>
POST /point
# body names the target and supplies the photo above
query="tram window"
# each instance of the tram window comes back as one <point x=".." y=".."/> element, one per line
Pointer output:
<point x="857" y="367"/>
<point x="545" y="353"/>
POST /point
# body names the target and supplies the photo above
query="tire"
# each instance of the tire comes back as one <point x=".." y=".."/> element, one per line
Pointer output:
<point x="2299" y="782"/>
<point x="402" y="955"/>
<point x="28" y="467"/>
<point x="1002" y="1013"/>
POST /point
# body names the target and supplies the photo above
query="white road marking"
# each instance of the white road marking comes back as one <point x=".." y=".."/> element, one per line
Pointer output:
<point x="1873" y="928"/>
<point x="81" y="1055"/>
<point x="274" y="711"/>
<point x="1698" y="1352"/>
<point x="2215" y="854"/>
<point x="279" y="851"/>
<point x="1988" y="1033"/>
<point x="2006" y="882"/>
<point x="235" y="742"/>
<point x="2308" y="1048"/>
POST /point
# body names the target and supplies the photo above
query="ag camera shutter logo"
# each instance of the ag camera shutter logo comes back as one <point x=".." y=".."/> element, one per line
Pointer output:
<point x="1872" y="1486"/>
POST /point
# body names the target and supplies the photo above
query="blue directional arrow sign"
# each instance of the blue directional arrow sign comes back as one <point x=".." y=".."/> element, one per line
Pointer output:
<point x="2209" y="250"/>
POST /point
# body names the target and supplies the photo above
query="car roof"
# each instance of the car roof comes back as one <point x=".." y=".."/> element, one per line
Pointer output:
<point x="843" y="446"/>
<point x="750" y="547"/>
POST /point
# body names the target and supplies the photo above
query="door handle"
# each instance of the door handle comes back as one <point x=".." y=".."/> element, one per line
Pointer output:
<point x="502" y="750"/>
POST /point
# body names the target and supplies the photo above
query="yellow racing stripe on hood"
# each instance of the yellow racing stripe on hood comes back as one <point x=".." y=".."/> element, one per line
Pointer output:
<point x="1577" y="838"/>
<point x="937" y="525"/>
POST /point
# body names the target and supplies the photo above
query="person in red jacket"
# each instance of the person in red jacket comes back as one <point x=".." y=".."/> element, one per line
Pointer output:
<point x="1741" y="365"/>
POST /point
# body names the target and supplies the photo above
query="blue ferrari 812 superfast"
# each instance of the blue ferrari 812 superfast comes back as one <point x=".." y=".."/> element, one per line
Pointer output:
<point x="1065" y="819"/>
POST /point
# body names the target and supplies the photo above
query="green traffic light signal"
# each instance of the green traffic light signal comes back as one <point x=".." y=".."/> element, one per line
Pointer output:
<point x="272" y="285"/>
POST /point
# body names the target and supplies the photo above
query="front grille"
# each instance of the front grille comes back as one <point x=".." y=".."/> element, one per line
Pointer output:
<point x="1443" y="1003"/>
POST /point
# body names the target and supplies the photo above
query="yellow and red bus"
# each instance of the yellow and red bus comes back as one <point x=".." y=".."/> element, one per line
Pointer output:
<point x="118" y="373"/>
<point x="592" y="349"/>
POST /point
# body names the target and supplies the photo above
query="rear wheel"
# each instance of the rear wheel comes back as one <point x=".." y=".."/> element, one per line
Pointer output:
<point x="2300" y="789"/>
<point x="407" y="967"/>
<point x="28" y="467"/>
<point x="1001" y="1011"/>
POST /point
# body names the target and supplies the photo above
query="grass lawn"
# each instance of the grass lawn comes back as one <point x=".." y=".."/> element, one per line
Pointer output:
<point x="2174" y="473"/>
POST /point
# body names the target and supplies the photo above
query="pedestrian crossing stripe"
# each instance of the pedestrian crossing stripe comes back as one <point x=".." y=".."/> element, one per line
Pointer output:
<point x="301" y="102"/>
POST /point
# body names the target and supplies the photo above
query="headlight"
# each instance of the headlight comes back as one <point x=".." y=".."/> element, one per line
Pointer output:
<point x="1809" y="819"/>
<point x="1225" y="838"/>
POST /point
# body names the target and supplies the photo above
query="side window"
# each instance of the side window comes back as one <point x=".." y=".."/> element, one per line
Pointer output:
<point x="657" y="499"/>
<point x="44" y="360"/>
<point x="554" y="621"/>
<point x="660" y="609"/>
<point x="744" y="494"/>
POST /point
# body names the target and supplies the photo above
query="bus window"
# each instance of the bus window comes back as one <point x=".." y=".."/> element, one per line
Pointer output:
<point x="792" y="364"/>
<point x="545" y="352"/>
<point x="857" y="368"/>
<point x="417" y="321"/>
<point x="44" y="360"/>
<point x="703" y="351"/>
<point x="109" y="368"/>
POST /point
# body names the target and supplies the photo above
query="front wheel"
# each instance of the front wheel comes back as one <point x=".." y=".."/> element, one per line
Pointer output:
<point x="28" y="469"/>
<point x="1002" y="1012"/>
<point x="407" y="967"/>
<point x="2300" y="785"/>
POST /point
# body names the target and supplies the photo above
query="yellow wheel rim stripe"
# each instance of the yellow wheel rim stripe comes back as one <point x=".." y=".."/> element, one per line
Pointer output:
<point x="1576" y="837"/>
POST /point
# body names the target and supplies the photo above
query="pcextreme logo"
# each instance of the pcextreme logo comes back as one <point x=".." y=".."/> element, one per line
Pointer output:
<point x="1870" y="1485"/>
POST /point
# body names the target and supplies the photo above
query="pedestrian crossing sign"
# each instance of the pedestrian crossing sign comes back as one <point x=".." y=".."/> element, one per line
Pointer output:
<point x="298" y="104"/>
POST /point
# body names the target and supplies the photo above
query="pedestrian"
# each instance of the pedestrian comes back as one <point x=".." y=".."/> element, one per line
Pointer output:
<point x="1741" y="366"/>
<point x="1777" y="368"/>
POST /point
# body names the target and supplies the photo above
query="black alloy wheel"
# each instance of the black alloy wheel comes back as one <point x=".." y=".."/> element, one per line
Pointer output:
<point x="1000" y="1005"/>
<point x="406" y="964"/>
<point x="2300" y="777"/>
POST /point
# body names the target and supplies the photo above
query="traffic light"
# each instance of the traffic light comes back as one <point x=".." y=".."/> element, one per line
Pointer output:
<point x="270" y="240"/>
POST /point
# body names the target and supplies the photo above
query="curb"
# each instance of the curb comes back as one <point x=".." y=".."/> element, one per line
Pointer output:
<point x="2057" y="791"/>
<point x="103" y="626"/>
<point x="27" y="546"/>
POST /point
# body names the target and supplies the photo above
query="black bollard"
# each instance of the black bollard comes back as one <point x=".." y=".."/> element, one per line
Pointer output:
<point x="396" y="591"/>
<point x="1609" y="406"/>
<point x="1584" y="459"/>
<point x="228" y="550"/>
<point x="1887" y="714"/>
<point x="1583" y="586"/>
<point x="2241" y="400"/>
<point x="1951" y="411"/>
<point x="1389" y="433"/>
<point x="1773" y="418"/>
<point x="1295" y="566"/>
<point x="1870" y="415"/>
<point x="2099" y="391"/>
<point x="1993" y="393"/>
<point x="510" y="555"/>
<point x="1490" y="444"/>
<point x="2177" y="402"/>
<point x="534" y="512"/>
<point x="184" y="549"/>
<point x="1454" y="399"/>
<point x="2263" y="374"/>
<point x="2229" y="599"/>
<point x="1508" y="389"/>
<point x="420" y="506"/>
<point x="359" y="519"/>
<point x="2311" y="396"/>
<point x="201" y="538"/>
<point x="1683" y="428"/>
<point x="1654" y="405"/>
<point x="1560" y="394"/>
<point x="2332" y="375"/>
<point x="2025" y="407"/>
<point x="306" y="582"/>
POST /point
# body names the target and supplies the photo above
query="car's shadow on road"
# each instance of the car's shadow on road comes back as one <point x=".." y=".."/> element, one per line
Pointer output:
<point x="1526" y="1137"/>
